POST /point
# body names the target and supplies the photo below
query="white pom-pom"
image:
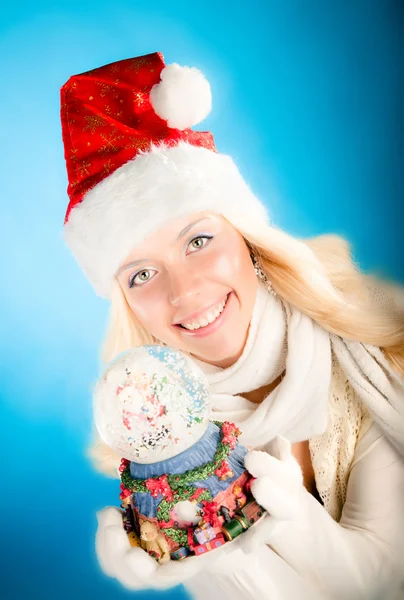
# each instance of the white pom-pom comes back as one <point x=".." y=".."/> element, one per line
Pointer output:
<point x="187" y="511"/>
<point x="182" y="98"/>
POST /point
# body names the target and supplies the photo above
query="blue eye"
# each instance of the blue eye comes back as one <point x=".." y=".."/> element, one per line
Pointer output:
<point x="140" y="278"/>
<point x="199" y="242"/>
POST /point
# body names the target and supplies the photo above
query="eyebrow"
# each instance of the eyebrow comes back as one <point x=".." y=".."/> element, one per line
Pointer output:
<point x="179" y="236"/>
<point x="188" y="227"/>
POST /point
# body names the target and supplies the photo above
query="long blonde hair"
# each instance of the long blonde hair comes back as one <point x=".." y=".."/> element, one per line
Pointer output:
<point x="317" y="276"/>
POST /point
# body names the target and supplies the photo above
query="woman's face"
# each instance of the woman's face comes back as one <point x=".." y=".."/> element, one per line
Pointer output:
<point x="192" y="285"/>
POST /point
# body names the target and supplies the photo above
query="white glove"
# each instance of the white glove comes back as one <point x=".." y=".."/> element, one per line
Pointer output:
<point x="279" y="480"/>
<point x="278" y="488"/>
<point x="134" y="567"/>
<point x="357" y="558"/>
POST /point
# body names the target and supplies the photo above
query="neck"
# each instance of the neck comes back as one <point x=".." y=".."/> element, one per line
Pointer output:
<point x="257" y="396"/>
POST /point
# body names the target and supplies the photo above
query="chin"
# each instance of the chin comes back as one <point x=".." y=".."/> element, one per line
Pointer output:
<point x="221" y="356"/>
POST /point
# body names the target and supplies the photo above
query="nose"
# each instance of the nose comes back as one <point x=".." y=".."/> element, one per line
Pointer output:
<point x="184" y="283"/>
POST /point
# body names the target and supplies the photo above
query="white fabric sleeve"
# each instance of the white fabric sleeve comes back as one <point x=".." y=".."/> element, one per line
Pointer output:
<point x="258" y="575"/>
<point x="362" y="556"/>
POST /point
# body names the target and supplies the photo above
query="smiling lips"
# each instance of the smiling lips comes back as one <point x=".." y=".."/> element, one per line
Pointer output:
<point x="206" y="318"/>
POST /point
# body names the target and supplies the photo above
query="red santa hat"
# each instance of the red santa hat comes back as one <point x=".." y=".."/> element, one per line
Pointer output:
<point x="134" y="163"/>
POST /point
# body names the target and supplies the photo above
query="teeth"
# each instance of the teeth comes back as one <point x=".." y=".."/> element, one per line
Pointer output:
<point x="207" y="318"/>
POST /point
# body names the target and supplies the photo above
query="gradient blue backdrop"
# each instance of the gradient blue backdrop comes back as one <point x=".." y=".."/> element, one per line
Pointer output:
<point x="307" y="99"/>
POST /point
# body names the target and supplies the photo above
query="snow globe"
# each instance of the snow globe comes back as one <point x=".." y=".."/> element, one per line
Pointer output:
<point x="184" y="487"/>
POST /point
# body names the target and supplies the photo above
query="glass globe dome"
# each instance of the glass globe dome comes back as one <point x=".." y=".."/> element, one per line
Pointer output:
<point x="151" y="403"/>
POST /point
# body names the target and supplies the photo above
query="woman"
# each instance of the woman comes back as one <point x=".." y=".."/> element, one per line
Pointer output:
<point x="295" y="349"/>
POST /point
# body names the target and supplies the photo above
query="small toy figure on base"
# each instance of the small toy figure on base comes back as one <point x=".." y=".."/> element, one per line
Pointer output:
<point x="241" y="498"/>
<point x="154" y="542"/>
<point x="182" y="475"/>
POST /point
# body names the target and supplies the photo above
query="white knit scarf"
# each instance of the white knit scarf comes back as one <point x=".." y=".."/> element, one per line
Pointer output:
<point x="281" y="338"/>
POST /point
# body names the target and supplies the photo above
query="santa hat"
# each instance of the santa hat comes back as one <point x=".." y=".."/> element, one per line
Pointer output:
<point x="134" y="164"/>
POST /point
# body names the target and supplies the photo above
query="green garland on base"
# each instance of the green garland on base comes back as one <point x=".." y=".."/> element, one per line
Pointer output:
<point x="179" y="536"/>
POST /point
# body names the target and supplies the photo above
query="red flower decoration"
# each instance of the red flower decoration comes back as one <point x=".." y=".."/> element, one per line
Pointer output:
<point x="224" y="471"/>
<point x="124" y="464"/>
<point x="230" y="429"/>
<point x="160" y="486"/>
<point x="123" y="467"/>
<point x="209" y="510"/>
<point x="124" y="494"/>
<point x="231" y="440"/>
<point x="124" y="491"/>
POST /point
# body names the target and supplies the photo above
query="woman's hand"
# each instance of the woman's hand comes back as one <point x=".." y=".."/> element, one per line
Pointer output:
<point x="277" y="487"/>
<point x="279" y="479"/>
<point x="134" y="567"/>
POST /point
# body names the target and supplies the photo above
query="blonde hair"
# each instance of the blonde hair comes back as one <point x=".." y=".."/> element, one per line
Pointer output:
<point x="317" y="276"/>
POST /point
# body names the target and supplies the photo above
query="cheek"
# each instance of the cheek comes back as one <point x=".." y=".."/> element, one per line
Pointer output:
<point x="147" y="307"/>
<point x="151" y="309"/>
<point x="233" y="265"/>
<point x="235" y="270"/>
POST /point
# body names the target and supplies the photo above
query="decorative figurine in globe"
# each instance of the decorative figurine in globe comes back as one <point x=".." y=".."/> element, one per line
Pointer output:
<point x="184" y="486"/>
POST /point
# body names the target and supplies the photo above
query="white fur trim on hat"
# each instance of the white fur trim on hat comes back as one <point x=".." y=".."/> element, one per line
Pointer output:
<point x="146" y="193"/>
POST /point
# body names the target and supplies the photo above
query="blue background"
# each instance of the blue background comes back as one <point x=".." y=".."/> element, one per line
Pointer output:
<point x="307" y="99"/>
